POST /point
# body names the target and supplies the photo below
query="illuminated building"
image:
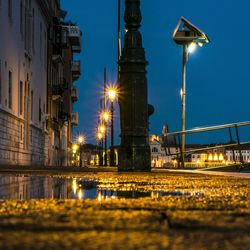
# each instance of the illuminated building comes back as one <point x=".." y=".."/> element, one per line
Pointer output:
<point x="36" y="82"/>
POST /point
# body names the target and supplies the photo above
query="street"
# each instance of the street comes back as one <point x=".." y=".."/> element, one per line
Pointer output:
<point x="177" y="210"/>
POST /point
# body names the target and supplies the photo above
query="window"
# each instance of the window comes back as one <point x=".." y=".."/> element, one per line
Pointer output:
<point x="10" y="90"/>
<point x="21" y="98"/>
<point x="10" y="9"/>
<point x="155" y="150"/>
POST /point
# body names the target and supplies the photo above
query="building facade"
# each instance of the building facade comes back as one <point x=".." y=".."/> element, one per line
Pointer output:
<point x="35" y="128"/>
<point x="162" y="155"/>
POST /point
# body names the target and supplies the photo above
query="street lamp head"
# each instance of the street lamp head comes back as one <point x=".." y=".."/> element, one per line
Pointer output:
<point x="186" y="33"/>
<point x="81" y="139"/>
<point x="102" y="129"/>
<point x="99" y="136"/>
<point x="105" y="116"/>
<point x="112" y="92"/>
<point x="192" y="47"/>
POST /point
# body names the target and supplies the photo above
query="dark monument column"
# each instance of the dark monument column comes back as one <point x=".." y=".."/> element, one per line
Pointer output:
<point x="134" y="151"/>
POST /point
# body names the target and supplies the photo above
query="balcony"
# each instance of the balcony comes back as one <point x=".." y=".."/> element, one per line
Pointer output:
<point x="76" y="70"/>
<point x="74" y="94"/>
<point x="74" y="35"/>
<point x="74" y="118"/>
<point x="57" y="91"/>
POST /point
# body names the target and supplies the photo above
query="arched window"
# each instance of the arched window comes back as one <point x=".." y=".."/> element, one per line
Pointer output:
<point x="154" y="150"/>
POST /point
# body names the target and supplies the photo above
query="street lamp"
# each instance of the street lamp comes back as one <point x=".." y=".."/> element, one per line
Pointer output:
<point x="74" y="155"/>
<point x="102" y="134"/>
<point x="189" y="36"/>
<point x="81" y="140"/>
<point x="99" y="138"/>
<point x="112" y="93"/>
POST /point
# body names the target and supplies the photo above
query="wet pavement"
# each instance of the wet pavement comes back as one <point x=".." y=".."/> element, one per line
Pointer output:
<point x="124" y="211"/>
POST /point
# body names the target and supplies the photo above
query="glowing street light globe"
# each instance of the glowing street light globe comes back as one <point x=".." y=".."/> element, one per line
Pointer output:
<point x="102" y="129"/>
<point x="105" y="116"/>
<point x="81" y="139"/>
<point x="112" y="93"/>
<point x="99" y="136"/>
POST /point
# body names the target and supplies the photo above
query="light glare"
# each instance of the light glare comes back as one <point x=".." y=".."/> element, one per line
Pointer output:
<point x="192" y="47"/>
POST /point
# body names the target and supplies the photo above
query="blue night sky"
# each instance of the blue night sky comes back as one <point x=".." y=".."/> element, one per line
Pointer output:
<point x="218" y="84"/>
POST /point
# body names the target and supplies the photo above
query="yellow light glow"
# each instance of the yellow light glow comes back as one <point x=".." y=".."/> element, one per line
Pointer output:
<point x="74" y="148"/>
<point x="74" y="186"/>
<point x="99" y="196"/>
<point x="112" y="92"/>
<point x="81" y="139"/>
<point x="192" y="47"/>
<point x="105" y="116"/>
<point x="221" y="157"/>
<point x="153" y="138"/>
<point x="80" y="194"/>
<point x="102" y="129"/>
<point x="99" y="136"/>
<point x="215" y="157"/>
<point x="210" y="157"/>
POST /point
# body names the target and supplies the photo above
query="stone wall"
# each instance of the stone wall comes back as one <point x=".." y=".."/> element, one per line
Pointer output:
<point x="13" y="148"/>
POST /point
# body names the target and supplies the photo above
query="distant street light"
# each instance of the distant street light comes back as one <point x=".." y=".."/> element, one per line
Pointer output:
<point x="105" y="116"/>
<point x="112" y="92"/>
<point x="81" y="141"/>
<point x="102" y="134"/>
<point x="189" y="36"/>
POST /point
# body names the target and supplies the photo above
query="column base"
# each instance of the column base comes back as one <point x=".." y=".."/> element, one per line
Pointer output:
<point x="134" y="159"/>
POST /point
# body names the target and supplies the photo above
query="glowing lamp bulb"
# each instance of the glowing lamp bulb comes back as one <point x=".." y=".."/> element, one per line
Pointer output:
<point x="192" y="47"/>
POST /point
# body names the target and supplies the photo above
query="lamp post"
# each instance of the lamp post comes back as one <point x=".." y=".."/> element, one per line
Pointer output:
<point x="105" y="117"/>
<point x="99" y="138"/>
<point x="189" y="36"/>
<point x="112" y="92"/>
<point x="102" y="133"/>
<point x="81" y="141"/>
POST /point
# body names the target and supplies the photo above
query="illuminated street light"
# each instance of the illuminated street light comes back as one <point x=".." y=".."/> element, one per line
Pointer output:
<point x="189" y="36"/>
<point x="112" y="92"/>
<point x="102" y="133"/>
<point x="99" y="136"/>
<point x="81" y="141"/>
<point x="105" y="116"/>
<point x="102" y="129"/>
<point x="192" y="47"/>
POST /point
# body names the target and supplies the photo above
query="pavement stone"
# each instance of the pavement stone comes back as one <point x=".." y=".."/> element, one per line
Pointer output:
<point x="197" y="212"/>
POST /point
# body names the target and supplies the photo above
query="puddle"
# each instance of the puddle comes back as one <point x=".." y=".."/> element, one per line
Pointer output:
<point x="25" y="187"/>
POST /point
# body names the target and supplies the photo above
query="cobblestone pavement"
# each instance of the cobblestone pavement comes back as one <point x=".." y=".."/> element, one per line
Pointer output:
<point x="195" y="212"/>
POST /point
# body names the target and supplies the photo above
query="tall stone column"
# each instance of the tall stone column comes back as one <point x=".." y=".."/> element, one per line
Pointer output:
<point x="134" y="151"/>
